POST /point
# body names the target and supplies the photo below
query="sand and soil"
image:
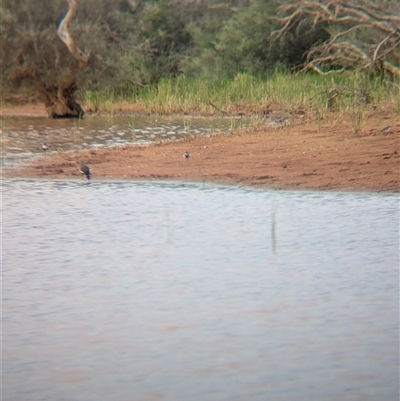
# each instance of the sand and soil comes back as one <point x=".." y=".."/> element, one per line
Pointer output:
<point x="307" y="156"/>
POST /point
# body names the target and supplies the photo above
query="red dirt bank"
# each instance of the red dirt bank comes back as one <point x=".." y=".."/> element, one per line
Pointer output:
<point x="301" y="157"/>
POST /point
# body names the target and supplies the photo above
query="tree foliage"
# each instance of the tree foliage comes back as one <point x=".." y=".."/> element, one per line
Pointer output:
<point x="33" y="54"/>
<point x="133" y="44"/>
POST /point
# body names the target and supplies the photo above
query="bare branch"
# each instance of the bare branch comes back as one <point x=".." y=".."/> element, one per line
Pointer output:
<point x="394" y="70"/>
<point x="346" y="32"/>
<point x="217" y="108"/>
<point x="319" y="70"/>
<point x="380" y="25"/>
<point x="374" y="56"/>
<point x="63" y="34"/>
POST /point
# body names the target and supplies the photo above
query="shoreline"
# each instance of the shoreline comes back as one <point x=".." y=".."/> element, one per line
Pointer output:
<point x="307" y="156"/>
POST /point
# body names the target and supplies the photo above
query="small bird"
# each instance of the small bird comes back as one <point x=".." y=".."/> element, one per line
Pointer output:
<point x="43" y="146"/>
<point x="85" y="170"/>
<point x="186" y="155"/>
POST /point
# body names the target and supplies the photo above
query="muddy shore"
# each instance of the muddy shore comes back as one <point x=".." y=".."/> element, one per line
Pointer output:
<point x="305" y="156"/>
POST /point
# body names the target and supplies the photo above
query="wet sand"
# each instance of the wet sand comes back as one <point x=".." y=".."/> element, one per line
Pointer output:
<point x="306" y="156"/>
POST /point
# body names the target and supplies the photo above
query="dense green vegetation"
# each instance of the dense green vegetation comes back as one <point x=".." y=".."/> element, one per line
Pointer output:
<point x="175" y="55"/>
<point x="308" y="92"/>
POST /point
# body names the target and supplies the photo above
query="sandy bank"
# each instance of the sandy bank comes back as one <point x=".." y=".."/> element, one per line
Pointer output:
<point x="329" y="157"/>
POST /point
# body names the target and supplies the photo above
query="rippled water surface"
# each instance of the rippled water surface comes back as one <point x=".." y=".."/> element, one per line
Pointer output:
<point x="146" y="291"/>
<point x="23" y="138"/>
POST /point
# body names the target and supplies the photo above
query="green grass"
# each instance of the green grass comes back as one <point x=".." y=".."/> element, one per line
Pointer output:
<point x="345" y="92"/>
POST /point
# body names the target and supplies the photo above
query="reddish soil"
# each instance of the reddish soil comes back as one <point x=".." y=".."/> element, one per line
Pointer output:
<point x="25" y="110"/>
<point x="329" y="157"/>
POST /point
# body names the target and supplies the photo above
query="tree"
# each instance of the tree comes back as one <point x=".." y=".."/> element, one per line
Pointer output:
<point x="38" y="55"/>
<point x="238" y="40"/>
<point x="89" y="43"/>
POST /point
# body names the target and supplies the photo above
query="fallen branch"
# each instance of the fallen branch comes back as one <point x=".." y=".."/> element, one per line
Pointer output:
<point x="217" y="108"/>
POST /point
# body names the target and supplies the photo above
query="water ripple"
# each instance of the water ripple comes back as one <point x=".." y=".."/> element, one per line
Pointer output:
<point x="174" y="291"/>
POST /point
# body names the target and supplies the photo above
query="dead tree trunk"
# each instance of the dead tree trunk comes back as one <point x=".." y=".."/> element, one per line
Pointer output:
<point x="60" y="101"/>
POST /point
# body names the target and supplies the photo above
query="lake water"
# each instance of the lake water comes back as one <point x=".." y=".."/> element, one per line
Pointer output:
<point x="169" y="291"/>
<point x="22" y="138"/>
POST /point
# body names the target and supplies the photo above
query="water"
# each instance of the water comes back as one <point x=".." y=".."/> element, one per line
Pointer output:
<point x="165" y="291"/>
<point x="22" y="138"/>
